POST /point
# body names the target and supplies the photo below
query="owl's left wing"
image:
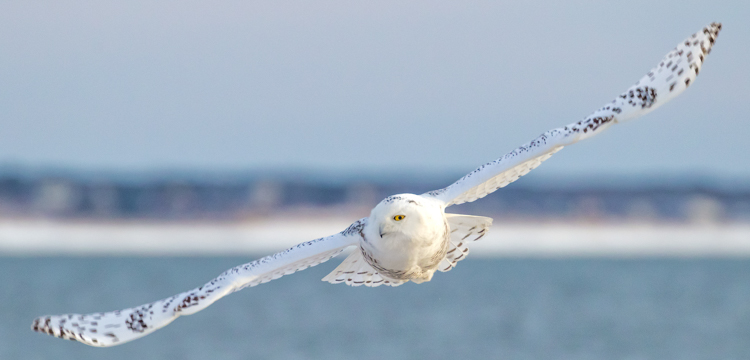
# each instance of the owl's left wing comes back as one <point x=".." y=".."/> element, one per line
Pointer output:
<point x="670" y="78"/>
<point x="117" y="327"/>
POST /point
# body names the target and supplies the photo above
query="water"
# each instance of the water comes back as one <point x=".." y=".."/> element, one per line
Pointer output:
<point x="486" y="308"/>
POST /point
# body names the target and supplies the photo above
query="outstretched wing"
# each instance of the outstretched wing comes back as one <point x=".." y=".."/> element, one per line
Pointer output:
<point x="117" y="327"/>
<point x="670" y="78"/>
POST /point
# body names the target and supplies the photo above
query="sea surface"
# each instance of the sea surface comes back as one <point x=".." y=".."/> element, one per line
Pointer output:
<point x="503" y="308"/>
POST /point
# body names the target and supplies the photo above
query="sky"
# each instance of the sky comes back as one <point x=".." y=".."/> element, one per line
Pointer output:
<point x="350" y="86"/>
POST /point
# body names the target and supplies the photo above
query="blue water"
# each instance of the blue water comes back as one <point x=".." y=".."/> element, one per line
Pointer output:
<point x="483" y="309"/>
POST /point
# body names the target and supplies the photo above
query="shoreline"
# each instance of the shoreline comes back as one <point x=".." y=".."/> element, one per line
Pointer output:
<point x="34" y="237"/>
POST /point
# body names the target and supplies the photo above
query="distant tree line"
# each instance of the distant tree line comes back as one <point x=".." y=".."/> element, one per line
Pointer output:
<point x="181" y="199"/>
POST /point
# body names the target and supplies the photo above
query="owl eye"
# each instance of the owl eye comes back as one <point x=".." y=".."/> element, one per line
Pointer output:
<point x="399" y="217"/>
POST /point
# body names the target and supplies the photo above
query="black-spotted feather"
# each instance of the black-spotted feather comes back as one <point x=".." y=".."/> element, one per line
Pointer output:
<point x="117" y="327"/>
<point x="355" y="271"/>
<point x="464" y="229"/>
<point x="675" y="73"/>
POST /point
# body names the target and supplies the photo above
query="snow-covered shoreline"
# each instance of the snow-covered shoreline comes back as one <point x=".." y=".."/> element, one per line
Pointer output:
<point x="41" y="237"/>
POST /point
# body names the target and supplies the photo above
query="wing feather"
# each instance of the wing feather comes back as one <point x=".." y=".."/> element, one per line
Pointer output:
<point x="117" y="327"/>
<point x="355" y="271"/>
<point x="670" y="78"/>
<point x="465" y="229"/>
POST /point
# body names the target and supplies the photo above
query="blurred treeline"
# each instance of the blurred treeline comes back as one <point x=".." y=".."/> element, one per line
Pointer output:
<point x="236" y="197"/>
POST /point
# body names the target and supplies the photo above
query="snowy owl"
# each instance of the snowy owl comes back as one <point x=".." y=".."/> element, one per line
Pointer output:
<point x="407" y="237"/>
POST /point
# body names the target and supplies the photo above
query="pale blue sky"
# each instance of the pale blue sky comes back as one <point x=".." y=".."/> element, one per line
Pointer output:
<point x="361" y="85"/>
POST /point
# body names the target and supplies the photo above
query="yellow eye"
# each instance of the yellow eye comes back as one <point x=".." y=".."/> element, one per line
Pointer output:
<point x="399" y="217"/>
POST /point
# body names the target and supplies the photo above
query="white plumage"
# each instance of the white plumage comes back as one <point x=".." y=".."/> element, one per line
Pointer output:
<point x="407" y="237"/>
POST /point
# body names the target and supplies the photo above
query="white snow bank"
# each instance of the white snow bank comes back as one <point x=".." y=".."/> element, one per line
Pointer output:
<point x="35" y="237"/>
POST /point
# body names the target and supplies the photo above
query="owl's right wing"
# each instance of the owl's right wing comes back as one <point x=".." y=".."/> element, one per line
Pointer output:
<point x="117" y="327"/>
<point x="670" y="78"/>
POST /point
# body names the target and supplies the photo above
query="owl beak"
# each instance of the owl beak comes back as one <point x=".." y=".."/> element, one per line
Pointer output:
<point x="381" y="230"/>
